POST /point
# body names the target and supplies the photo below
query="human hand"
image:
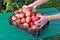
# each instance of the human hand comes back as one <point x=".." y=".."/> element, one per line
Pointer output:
<point x="34" y="4"/>
<point x="31" y="5"/>
<point x="43" y="20"/>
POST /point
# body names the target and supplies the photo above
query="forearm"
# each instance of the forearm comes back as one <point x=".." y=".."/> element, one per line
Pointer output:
<point x="53" y="17"/>
<point x="38" y="2"/>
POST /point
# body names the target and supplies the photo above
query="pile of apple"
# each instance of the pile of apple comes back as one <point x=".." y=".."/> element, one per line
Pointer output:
<point x="27" y="16"/>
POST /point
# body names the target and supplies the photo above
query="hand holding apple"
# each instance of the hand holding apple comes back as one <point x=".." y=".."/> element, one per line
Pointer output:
<point x="42" y="21"/>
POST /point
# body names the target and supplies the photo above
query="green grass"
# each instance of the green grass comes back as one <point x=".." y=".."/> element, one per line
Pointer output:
<point x="51" y="3"/>
<point x="53" y="38"/>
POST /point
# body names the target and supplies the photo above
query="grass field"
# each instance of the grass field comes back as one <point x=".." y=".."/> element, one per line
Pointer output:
<point x="51" y="3"/>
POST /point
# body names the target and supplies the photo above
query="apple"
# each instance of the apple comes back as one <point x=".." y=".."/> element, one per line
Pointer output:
<point x="24" y="6"/>
<point x="38" y="14"/>
<point x="29" y="9"/>
<point x="28" y="19"/>
<point x="24" y="10"/>
<point x="33" y="15"/>
<point x="18" y="21"/>
<point x="35" y="19"/>
<point x="16" y="12"/>
<point x="22" y="15"/>
<point x="20" y="10"/>
<point x="18" y="15"/>
<point x="26" y="24"/>
<point x="32" y="23"/>
<point x="23" y="20"/>
<point x="14" y="18"/>
<point x="45" y="14"/>
<point x="34" y="26"/>
<point x="28" y="13"/>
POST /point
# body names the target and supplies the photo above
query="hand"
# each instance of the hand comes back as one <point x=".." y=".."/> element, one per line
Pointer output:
<point x="37" y="3"/>
<point x="42" y="21"/>
<point x="31" y="5"/>
<point x="34" y="4"/>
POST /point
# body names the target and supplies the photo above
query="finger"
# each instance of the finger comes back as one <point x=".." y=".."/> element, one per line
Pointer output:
<point x="39" y="21"/>
<point x="37" y="24"/>
<point x="30" y="5"/>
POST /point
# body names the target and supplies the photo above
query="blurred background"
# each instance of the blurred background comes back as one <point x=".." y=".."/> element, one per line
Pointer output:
<point x="11" y="5"/>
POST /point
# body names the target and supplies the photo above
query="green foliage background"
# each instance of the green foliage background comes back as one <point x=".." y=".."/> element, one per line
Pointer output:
<point x="12" y="5"/>
<point x="16" y="4"/>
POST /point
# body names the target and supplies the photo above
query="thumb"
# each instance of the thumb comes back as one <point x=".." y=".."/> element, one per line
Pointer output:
<point x="30" y="5"/>
<point x="37" y="22"/>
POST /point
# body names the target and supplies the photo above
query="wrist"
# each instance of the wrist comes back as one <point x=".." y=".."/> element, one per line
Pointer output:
<point x="48" y="18"/>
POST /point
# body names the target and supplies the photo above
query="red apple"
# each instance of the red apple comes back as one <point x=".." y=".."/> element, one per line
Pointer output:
<point x="38" y="14"/>
<point x="20" y="9"/>
<point x="24" y="10"/>
<point x="23" y="20"/>
<point x="21" y="12"/>
<point x="18" y="15"/>
<point x="35" y="19"/>
<point x="16" y="12"/>
<point x="33" y="15"/>
<point x="29" y="9"/>
<point x="26" y="24"/>
<point x="34" y="26"/>
<point x="28" y="14"/>
<point x="32" y="23"/>
<point x="45" y="14"/>
<point x="18" y="21"/>
<point x="32" y="18"/>
<point x="22" y="15"/>
<point x="14" y="18"/>
<point x="28" y="19"/>
<point x="24" y="6"/>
